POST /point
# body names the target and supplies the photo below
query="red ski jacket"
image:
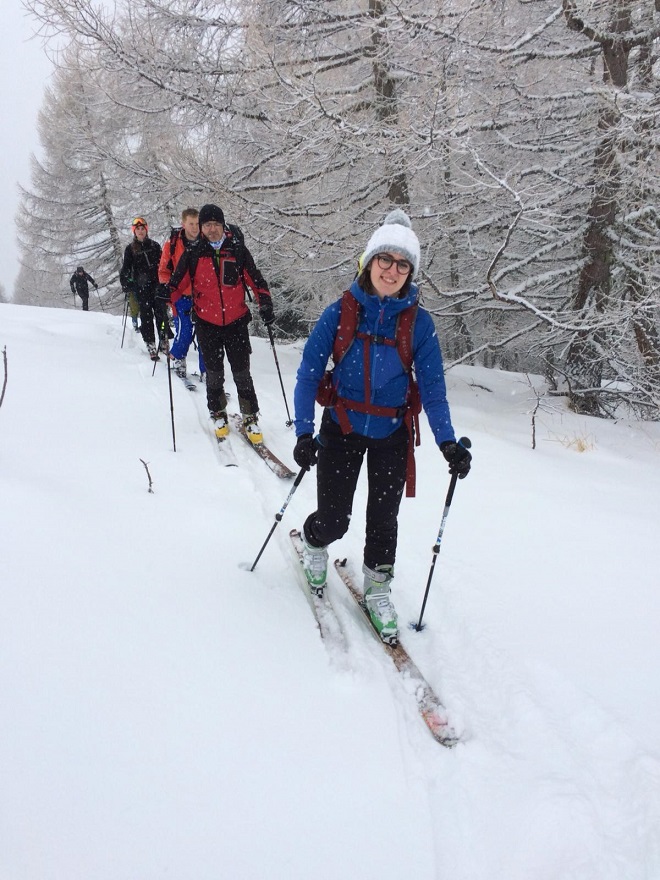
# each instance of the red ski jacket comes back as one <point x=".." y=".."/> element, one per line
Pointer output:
<point x="219" y="280"/>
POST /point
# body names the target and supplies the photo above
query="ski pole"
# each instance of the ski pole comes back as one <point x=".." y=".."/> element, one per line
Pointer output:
<point x="280" y="514"/>
<point x="125" y="317"/>
<point x="289" y="421"/>
<point x="464" y="441"/>
<point x="163" y="336"/>
<point x="169" y="382"/>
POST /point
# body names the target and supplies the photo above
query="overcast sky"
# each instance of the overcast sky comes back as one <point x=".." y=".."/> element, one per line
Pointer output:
<point x="24" y="69"/>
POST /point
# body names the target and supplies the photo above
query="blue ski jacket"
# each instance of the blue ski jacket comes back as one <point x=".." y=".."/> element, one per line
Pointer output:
<point x="389" y="380"/>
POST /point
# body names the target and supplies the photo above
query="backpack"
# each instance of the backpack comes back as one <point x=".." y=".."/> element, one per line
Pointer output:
<point x="347" y="332"/>
<point x="175" y="235"/>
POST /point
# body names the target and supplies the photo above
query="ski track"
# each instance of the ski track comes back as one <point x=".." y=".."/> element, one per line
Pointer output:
<point x="585" y="795"/>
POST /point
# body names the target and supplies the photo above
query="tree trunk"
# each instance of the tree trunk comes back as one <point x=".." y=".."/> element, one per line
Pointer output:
<point x="584" y="364"/>
<point x="387" y="112"/>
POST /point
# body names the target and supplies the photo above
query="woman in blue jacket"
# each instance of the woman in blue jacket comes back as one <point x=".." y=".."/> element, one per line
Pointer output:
<point x="367" y="399"/>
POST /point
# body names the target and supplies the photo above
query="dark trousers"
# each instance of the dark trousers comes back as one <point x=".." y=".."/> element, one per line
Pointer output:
<point x="85" y="302"/>
<point x="339" y="463"/>
<point x="234" y="341"/>
<point x="152" y="309"/>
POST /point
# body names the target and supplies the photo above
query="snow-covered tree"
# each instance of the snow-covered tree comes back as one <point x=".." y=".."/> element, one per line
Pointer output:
<point x="520" y="136"/>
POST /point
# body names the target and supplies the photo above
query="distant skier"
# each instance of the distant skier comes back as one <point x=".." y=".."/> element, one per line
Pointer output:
<point x="79" y="285"/>
<point x="139" y="275"/>
<point x="370" y="410"/>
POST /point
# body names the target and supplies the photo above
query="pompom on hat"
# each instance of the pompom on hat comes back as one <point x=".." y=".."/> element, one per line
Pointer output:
<point x="395" y="236"/>
<point x="211" y="212"/>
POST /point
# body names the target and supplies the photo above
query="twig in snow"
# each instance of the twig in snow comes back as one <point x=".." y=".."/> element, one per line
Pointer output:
<point x="146" y="467"/>
<point x="4" y="384"/>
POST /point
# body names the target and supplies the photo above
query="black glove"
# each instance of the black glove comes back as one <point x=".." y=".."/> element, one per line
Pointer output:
<point x="458" y="457"/>
<point x="305" y="454"/>
<point x="96" y="287"/>
<point x="164" y="293"/>
<point x="266" y="312"/>
<point x="127" y="292"/>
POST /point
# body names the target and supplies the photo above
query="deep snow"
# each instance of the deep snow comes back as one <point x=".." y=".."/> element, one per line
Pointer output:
<point x="167" y="713"/>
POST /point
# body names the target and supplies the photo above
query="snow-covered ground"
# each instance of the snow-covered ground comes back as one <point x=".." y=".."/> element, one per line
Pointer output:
<point x="167" y="713"/>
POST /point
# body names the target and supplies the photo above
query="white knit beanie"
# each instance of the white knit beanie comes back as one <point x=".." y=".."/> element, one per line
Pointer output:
<point x="394" y="236"/>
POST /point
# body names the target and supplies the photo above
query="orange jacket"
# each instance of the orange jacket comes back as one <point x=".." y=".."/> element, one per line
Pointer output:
<point x="168" y="263"/>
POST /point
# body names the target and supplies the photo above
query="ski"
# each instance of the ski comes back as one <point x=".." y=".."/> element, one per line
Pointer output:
<point x="326" y="618"/>
<point x="429" y="705"/>
<point x="226" y="453"/>
<point x="190" y="385"/>
<point x="273" y="462"/>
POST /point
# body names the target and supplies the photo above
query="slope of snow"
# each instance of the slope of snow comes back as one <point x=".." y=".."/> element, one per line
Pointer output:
<point x="168" y="713"/>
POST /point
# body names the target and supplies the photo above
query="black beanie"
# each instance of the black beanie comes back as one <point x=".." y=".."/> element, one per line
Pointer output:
<point x="211" y="212"/>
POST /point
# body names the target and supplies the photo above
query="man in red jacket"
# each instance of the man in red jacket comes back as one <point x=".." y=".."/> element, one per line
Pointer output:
<point x="220" y="269"/>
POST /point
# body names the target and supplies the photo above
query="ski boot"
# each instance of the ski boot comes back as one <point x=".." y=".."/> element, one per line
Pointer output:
<point x="315" y="566"/>
<point x="164" y="344"/>
<point x="153" y="351"/>
<point x="252" y="430"/>
<point x="179" y="366"/>
<point x="220" y="425"/>
<point x="377" y="600"/>
<point x="135" y="325"/>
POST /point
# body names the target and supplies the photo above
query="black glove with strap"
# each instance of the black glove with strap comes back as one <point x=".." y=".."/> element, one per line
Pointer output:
<point x="305" y="454"/>
<point x="458" y="456"/>
<point x="266" y="312"/>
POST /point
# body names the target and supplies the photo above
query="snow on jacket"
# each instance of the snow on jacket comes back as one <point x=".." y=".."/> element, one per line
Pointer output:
<point x="389" y="380"/>
<point x="139" y="271"/>
<point x="218" y="284"/>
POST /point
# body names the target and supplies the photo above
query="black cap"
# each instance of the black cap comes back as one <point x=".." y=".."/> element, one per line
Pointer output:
<point x="211" y="212"/>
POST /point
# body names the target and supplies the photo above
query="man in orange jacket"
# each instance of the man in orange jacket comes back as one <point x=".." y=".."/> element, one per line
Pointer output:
<point x="181" y="298"/>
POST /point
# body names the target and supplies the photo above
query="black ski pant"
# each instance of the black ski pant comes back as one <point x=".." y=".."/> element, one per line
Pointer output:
<point x="234" y="341"/>
<point x="85" y="302"/>
<point x="152" y="309"/>
<point x="339" y="462"/>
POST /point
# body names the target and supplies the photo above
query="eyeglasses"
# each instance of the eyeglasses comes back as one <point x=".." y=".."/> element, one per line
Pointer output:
<point x="403" y="267"/>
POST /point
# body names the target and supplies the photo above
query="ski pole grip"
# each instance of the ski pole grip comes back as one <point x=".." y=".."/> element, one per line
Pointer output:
<point x="465" y="441"/>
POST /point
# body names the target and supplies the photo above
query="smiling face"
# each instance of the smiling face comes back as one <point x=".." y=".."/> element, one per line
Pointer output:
<point x="387" y="280"/>
<point x="191" y="227"/>
<point x="140" y="232"/>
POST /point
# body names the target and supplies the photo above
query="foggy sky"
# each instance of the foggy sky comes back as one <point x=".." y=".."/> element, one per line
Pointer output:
<point x="24" y="69"/>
